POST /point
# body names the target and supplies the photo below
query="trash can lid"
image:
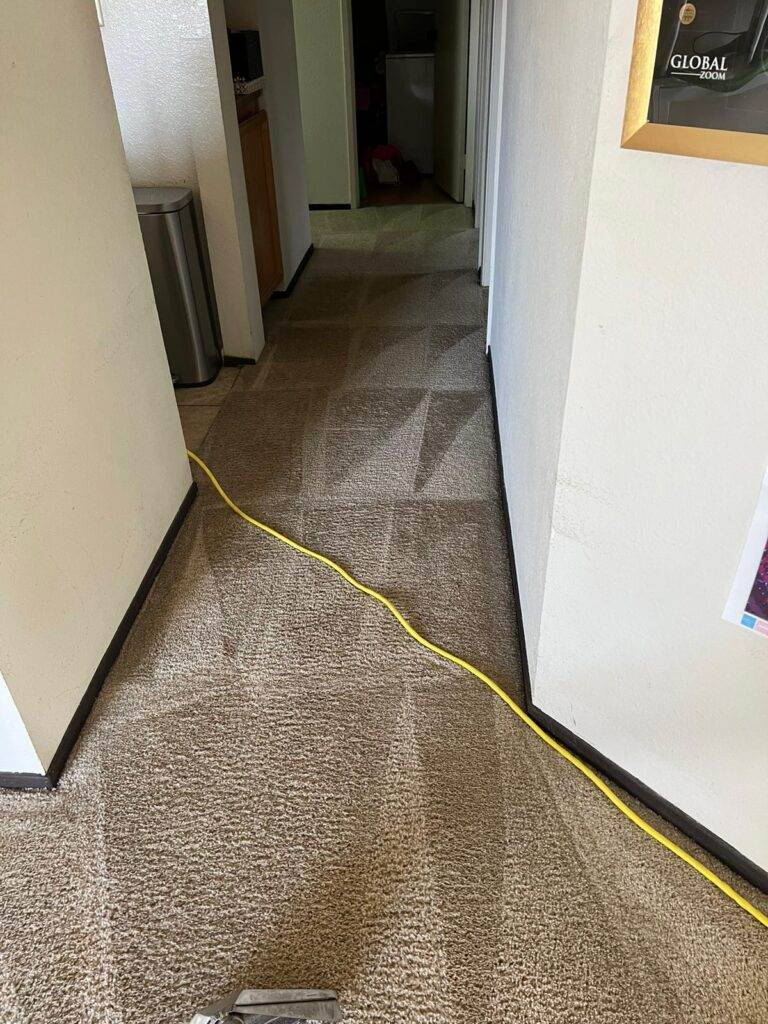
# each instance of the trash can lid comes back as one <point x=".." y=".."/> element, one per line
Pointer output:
<point x="161" y="200"/>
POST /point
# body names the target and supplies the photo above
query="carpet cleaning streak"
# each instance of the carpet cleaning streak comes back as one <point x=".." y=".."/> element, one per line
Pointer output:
<point x="544" y="736"/>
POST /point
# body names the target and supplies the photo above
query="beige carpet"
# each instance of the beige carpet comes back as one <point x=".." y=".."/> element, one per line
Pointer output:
<point x="278" y="788"/>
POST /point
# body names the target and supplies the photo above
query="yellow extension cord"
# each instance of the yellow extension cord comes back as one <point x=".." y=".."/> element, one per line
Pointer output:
<point x="585" y="770"/>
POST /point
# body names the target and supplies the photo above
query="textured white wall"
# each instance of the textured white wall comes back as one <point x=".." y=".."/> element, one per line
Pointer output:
<point x="546" y="136"/>
<point x="274" y="20"/>
<point x="17" y="754"/>
<point x="92" y="460"/>
<point x="283" y="105"/>
<point x="327" y="108"/>
<point x="169" y="65"/>
<point x="221" y="178"/>
<point x="665" y="442"/>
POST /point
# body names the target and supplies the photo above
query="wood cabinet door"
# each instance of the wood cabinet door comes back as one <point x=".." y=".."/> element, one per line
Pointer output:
<point x="260" y="183"/>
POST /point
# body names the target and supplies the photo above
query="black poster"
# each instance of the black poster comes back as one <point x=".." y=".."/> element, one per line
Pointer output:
<point x="711" y="66"/>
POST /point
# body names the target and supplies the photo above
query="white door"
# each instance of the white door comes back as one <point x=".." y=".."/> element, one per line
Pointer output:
<point x="451" y="70"/>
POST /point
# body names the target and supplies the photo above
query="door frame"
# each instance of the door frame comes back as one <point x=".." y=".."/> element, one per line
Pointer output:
<point x="452" y="64"/>
<point x="494" y="125"/>
<point x="348" y="51"/>
<point x="485" y="56"/>
<point x="474" y="74"/>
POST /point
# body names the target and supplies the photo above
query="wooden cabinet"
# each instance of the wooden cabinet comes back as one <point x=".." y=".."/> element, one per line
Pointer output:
<point x="260" y="184"/>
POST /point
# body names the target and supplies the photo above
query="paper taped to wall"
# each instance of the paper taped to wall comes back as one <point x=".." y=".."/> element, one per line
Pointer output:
<point x="748" y="604"/>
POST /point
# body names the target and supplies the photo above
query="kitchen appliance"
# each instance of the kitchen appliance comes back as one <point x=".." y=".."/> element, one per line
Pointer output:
<point x="411" y="107"/>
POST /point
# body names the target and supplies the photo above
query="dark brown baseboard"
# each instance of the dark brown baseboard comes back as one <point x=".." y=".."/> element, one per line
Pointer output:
<point x="237" y="361"/>
<point x="24" y="780"/>
<point x="708" y="840"/>
<point x="14" y="780"/>
<point x="295" y="279"/>
<point x="330" y="206"/>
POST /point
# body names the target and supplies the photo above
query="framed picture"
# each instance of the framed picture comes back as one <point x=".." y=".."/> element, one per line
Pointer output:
<point x="699" y="80"/>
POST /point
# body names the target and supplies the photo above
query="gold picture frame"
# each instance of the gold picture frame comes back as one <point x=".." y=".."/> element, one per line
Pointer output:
<point x="640" y="133"/>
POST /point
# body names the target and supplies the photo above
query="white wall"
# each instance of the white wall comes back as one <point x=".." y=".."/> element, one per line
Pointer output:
<point x="281" y="100"/>
<point x="221" y="180"/>
<point x="545" y="142"/>
<point x="169" y="66"/>
<point x="17" y="754"/>
<point x="663" y="435"/>
<point x="665" y="444"/>
<point x="92" y="460"/>
<point x="325" y="62"/>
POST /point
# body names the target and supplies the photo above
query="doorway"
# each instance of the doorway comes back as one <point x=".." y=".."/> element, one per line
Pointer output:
<point x="411" y="64"/>
<point x="348" y="55"/>
<point x="411" y="71"/>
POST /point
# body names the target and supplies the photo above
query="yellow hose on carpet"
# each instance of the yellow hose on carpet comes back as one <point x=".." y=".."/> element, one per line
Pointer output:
<point x="585" y="770"/>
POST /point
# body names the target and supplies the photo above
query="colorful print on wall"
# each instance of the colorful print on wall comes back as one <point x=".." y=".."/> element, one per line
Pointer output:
<point x="758" y="599"/>
<point x="748" y="604"/>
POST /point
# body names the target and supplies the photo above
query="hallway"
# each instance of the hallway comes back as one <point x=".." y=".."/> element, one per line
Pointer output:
<point x="277" y="788"/>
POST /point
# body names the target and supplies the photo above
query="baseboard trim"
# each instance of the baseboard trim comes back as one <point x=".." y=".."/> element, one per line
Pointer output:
<point x="14" y="780"/>
<point x="330" y="206"/>
<point x="708" y="840"/>
<point x="295" y="279"/>
<point x="238" y="361"/>
<point x="705" y="838"/>
<point x="24" y="780"/>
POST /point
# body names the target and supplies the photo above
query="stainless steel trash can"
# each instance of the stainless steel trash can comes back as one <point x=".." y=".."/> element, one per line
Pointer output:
<point x="172" y="244"/>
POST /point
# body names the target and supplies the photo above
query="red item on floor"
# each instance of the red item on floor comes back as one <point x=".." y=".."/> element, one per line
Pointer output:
<point x="383" y="165"/>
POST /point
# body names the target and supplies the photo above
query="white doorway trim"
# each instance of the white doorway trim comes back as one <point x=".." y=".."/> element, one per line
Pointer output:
<point x="485" y="59"/>
<point x="348" y="49"/>
<point x="473" y="83"/>
<point x="491" y="203"/>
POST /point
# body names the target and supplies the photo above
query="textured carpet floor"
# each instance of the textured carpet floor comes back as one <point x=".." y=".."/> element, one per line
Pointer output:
<point x="277" y="788"/>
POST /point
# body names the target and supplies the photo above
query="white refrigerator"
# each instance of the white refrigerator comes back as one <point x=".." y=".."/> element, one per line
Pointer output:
<point x="411" y="107"/>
